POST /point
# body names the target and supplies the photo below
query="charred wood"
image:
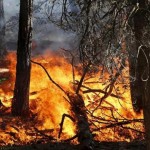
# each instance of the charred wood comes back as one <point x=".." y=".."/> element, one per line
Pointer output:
<point x="43" y="134"/>
<point x="85" y="137"/>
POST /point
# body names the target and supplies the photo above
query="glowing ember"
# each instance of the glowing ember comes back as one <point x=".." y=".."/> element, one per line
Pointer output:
<point x="113" y="120"/>
<point x="3" y="70"/>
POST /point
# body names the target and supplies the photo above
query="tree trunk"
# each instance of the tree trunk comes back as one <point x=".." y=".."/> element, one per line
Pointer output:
<point x="2" y="31"/>
<point x="20" y="103"/>
<point x="146" y="97"/>
<point x="144" y="67"/>
<point x="85" y="137"/>
<point x="135" y="69"/>
<point x="140" y="88"/>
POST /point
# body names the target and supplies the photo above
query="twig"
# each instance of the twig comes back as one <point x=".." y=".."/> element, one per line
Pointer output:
<point x="49" y="137"/>
<point x="62" y="122"/>
<point x="82" y="78"/>
<point x="101" y="91"/>
<point x="49" y="76"/>
<point x="111" y="85"/>
<point x="135" y="130"/>
<point x="120" y="124"/>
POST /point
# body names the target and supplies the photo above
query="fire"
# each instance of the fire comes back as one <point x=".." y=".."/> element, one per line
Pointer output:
<point x="48" y="104"/>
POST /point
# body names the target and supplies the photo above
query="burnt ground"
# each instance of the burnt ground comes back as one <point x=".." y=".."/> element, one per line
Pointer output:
<point x="137" y="145"/>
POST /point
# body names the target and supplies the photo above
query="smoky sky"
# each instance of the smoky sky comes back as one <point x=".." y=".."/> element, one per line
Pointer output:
<point x="11" y="7"/>
<point x="47" y="31"/>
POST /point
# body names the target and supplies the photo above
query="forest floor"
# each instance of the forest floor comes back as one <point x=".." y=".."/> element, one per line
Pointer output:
<point x="138" y="145"/>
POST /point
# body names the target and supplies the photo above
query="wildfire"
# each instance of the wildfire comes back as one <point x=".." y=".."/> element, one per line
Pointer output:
<point x="113" y="120"/>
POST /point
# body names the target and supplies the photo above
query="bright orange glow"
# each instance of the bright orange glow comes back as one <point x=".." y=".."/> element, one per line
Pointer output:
<point x="47" y="103"/>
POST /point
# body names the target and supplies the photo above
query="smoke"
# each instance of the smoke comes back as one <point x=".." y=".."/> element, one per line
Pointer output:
<point x="11" y="8"/>
<point x="45" y="34"/>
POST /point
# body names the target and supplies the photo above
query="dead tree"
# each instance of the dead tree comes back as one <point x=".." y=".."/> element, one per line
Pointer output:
<point x="20" y="103"/>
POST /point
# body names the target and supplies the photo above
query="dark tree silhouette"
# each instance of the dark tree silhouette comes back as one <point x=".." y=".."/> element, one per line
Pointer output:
<point x="136" y="68"/>
<point x="2" y="30"/>
<point x="139" y="67"/>
<point x="20" y="103"/>
<point x="142" y="82"/>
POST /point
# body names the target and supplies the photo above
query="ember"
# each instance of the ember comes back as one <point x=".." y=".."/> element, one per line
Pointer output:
<point x="3" y="70"/>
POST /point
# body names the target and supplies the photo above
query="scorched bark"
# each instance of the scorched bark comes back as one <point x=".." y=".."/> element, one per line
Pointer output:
<point x="20" y="103"/>
<point x="84" y="134"/>
<point x="140" y="88"/>
<point x="135" y="67"/>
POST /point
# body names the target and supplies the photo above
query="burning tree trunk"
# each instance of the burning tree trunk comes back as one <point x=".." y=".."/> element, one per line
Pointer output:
<point x="20" y="103"/>
<point x="2" y="31"/>
<point x="83" y="130"/>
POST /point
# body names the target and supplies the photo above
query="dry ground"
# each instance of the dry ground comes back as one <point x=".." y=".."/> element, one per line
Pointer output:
<point x="137" y="145"/>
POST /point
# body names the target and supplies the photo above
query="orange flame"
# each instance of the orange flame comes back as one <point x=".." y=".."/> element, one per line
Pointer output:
<point x="47" y="104"/>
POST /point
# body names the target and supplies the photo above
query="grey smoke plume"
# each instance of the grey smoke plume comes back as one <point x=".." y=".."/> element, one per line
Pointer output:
<point x="45" y="34"/>
<point x="11" y="7"/>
